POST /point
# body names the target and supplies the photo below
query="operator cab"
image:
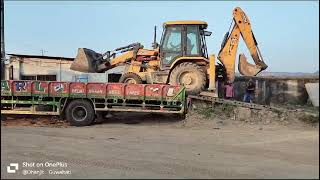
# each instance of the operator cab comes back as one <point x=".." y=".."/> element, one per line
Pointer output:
<point x="183" y="39"/>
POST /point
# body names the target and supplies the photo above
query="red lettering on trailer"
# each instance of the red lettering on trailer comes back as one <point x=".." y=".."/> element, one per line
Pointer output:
<point x="93" y="90"/>
<point x="133" y="90"/>
<point x="115" y="89"/>
<point x="77" y="88"/>
<point x="96" y="90"/>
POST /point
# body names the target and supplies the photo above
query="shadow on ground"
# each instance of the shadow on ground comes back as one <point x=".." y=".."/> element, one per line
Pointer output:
<point x="139" y="118"/>
<point x="112" y="118"/>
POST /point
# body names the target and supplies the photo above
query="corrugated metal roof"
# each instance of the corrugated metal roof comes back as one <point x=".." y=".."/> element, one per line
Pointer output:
<point x="43" y="57"/>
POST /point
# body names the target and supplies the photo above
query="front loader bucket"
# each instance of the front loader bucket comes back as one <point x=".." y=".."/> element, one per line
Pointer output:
<point x="85" y="60"/>
<point x="246" y="68"/>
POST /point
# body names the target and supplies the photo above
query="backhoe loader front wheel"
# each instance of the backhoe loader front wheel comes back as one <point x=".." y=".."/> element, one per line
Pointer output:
<point x="130" y="78"/>
<point x="190" y="75"/>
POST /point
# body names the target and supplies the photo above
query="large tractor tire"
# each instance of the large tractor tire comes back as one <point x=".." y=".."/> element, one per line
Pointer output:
<point x="130" y="78"/>
<point x="191" y="76"/>
<point x="80" y="113"/>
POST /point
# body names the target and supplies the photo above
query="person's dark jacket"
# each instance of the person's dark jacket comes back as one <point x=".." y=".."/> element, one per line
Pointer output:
<point x="250" y="88"/>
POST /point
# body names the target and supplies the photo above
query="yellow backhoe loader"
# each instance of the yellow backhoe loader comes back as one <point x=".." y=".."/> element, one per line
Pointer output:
<point x="181" y="57"/>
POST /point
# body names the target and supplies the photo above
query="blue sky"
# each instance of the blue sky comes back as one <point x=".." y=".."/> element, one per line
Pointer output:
<point x="287" y="32"/>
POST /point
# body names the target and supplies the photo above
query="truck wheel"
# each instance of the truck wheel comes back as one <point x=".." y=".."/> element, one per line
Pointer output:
<point x="80" y="113"/>
<point x="130" y="78"/>
<point x="190" y="75"/>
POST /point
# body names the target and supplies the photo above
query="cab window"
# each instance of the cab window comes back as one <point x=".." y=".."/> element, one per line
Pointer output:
<point x="193" y="40"/>
<point x="171" y="47"/>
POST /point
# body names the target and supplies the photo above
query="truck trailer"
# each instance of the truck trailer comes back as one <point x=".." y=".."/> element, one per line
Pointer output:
<point x="80" y="103"/>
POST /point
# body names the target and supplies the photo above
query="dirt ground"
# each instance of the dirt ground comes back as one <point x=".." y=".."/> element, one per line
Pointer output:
<point x="204" y="145"/>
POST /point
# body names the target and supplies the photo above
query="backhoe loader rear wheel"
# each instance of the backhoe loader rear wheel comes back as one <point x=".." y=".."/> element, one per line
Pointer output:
<point x="130" y="78"/>
<point x="190" y="75"/>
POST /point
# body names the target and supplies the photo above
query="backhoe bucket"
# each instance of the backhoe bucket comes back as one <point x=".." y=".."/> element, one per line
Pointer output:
<point x="246" y="68"/>
<point x="85" y="60"/>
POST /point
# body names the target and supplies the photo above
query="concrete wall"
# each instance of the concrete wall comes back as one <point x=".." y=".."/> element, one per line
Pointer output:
<point x="276" y="90"/>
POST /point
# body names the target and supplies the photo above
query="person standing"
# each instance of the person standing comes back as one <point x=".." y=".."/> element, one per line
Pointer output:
<point x="249" y="94"/>
<point x="229" y="93"/>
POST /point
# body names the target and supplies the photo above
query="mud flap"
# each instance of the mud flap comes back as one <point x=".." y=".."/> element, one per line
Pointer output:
<point x="246" y="68"/>
<point x="85" y="60"/>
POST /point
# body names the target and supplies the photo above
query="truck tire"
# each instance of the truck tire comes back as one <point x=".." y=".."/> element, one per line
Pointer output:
<point x="190" y="75"/>
<point x="130" y="78"/>
<point x="80" y="113"/>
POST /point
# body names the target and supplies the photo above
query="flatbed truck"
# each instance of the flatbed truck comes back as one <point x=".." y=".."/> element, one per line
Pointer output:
<point x="80" y="103"/>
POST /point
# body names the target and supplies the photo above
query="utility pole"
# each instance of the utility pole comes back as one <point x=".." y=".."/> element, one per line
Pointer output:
<point x="3" y="54"/>
<point x="42" y="52"/>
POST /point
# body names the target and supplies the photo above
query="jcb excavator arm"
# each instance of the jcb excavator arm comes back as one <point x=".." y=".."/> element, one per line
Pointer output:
<point x="90" y="61"/>
<point x="227" y="54"/>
